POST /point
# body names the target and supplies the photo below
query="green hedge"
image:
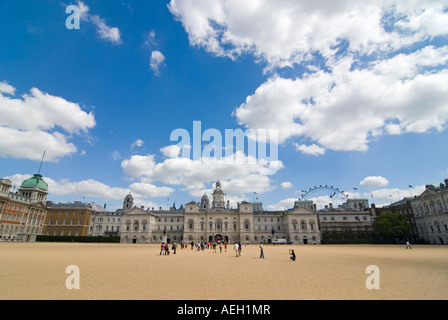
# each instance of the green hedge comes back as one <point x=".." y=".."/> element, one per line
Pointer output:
<point x="354" y="241"/>
<point x="354" y="238"/>
<point x="85" y="239"/>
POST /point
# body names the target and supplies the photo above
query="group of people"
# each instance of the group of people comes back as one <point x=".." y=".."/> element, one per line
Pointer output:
<point x="165" y="248"/>
<point x="201" y="246"/>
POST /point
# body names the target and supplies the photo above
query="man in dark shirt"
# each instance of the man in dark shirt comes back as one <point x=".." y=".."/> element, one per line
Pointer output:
<point x="293" y="255"/>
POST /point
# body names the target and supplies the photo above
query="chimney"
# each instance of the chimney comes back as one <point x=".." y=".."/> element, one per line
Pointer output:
<point x="331" y="206"/>
<point x="446" y="182"/>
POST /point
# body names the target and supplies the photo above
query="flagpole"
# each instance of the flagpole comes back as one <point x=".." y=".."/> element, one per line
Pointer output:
<point x="40" y="167"/>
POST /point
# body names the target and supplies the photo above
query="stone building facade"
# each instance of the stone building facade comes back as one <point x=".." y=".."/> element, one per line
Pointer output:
<point x="216" y="221"/>
<point x="352" y="218"/>
<point x="69" y="219"/>
<point x="431" y="213"/>
<point x="22" y="212"/>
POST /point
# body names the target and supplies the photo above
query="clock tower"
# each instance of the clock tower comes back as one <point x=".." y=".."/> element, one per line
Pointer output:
<point x="218" y="197"/>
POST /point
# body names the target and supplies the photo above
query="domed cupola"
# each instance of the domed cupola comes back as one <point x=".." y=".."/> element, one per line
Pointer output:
<point x="128" y="202"/>
<point x="205" y="202"/>
<point x="35" y="188"/>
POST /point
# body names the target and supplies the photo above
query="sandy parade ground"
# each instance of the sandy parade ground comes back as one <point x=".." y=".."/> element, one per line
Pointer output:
<point x="122" y="271"/>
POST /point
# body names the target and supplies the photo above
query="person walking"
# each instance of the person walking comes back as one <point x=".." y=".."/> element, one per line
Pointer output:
<point x="220" y="247"/>
<point x="167" y="249"/>
<point x="239" y="249"/>
<point x="236" y="247"/>
<point x="261" y="250"/>
<point x="408" y="245"/>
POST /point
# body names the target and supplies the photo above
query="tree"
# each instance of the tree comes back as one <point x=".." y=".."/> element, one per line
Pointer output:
<point x="392" y="224"/>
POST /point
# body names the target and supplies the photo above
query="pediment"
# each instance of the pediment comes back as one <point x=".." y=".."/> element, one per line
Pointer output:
<point x="40" y="204"/>
<point x="301" y="211"/>
<point x="136" y="211"/>
<point x="426" y="193"/>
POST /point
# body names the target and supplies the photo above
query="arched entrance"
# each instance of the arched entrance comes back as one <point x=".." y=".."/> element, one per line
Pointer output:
<point x="218" y="238"/>
<point x="305" y="240"/>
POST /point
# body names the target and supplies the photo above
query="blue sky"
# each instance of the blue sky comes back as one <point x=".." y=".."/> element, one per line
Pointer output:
<point x="356" y="90"/>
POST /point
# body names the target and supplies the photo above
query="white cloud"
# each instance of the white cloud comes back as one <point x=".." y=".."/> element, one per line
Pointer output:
<point x="358" y="85"/>
<point x="137" y="144"/>
<point x="374" y="182"/>
<point x="344" y="109"/>
<point x="157" y="61"/>
<point x="172" y="151"/>
<point x="284" y="204"/>
<point x="150" y="190"/>
<point x="111" y="34"/>
<point x="31" y="144"/>
<point x="95" y="189"/>
<point x="87" y="188"/>
<point x="313" y="150"/>
<point x="238" y="178"/>
<point x="83" y="11"/>
<point x="286" y="185"/>
<point x="383" y="197"/>
<point x="44" y="112"/>
<point x="7" y="88"/>
<point x="150" y="39"/>
<point x="284" y="32"/>
<point x="46" y="115"/>
<point x="116" y="155"/>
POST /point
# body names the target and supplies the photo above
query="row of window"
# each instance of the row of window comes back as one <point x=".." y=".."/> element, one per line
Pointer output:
<point x="64" y="222"/>
<point x="108" y="219"/>
<point x="62" y="233"/>
<point x="344" y="218"/>
<point x="346" y="229"/>
<point x="52" y="212"/>
<point x="433" y="207"/>
<point x="436" y="227"/>
<point x="19" y="208"/>
<point x="218" y="226"/>
<point x="6" y="230"/>
<point x="112" y="228"/>
<point x="17" y="217"/>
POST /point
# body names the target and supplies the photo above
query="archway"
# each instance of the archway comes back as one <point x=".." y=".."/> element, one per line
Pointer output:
<point x="218" y="238"/>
